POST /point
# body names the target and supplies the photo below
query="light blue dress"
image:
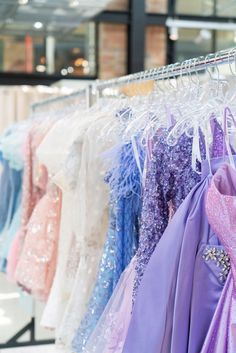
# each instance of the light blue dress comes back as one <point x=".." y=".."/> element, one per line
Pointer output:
<point x="122" y="237"/>
<point x="10" y="188"/>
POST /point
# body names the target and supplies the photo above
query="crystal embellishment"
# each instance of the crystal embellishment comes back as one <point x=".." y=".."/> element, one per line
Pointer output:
<point x="221" y="258"/>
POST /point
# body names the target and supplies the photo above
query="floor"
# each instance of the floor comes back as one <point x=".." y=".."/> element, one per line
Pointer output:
<point x="16" y="310"/>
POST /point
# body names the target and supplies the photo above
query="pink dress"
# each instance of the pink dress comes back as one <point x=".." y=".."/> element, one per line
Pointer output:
<point x="221" y="212"/>
<point x="35" y="181"/>
<point x="37" y="264"/>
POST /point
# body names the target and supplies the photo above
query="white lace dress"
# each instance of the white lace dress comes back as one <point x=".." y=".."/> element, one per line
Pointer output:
<point x="54" y="152"/>
<point x="89" y="210"/>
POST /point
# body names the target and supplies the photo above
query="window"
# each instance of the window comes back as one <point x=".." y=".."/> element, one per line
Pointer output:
<point x="225" y="40"/>
<point x="199" y="7"/>
<point x="71" y="54"/>
<point x="192" y="43"/>
<point x="226" y="8"/>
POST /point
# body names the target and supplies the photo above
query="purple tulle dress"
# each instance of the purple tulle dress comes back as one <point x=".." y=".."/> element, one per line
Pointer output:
<point x="221" y="212"/>
<point x="182" y="283"/>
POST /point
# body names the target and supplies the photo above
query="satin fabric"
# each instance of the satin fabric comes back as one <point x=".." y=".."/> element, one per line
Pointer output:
<point x="179" y="292"/>
<point x="221" y="212"/>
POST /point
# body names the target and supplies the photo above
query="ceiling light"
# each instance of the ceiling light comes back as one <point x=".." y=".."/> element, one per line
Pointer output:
<point x="174" y="33"/>
<point x="23" y="2"/>
<point x="79" y="62"/>
<point x="38" y="25"/>
<point x="41" y="68"/>
<point x="74" y="3"/>
<point x="64" y="72"/>
<point x="85" y="63"/>
<point x="70" y="69"/>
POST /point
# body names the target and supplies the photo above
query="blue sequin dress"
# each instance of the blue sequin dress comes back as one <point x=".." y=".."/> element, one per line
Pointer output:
<point x="122" y="237"/>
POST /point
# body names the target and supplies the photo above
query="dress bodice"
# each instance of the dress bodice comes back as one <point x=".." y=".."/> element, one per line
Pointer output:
<point x="221" y="210"/>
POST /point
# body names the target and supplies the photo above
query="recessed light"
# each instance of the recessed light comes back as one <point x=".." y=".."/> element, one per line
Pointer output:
<point x="38" y="25"/>
<point x="23" y="2"/>
<point x="70" y="69"/>
<point x="64" y="72"/>
<point x="74" y="3"/>
<point x="41" y="68"/>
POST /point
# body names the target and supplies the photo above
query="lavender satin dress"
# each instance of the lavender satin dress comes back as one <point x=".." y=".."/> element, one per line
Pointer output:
<point x="182" y="283"/>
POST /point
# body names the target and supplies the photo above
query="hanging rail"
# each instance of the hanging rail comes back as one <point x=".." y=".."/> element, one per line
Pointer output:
<point x="170" y="71"/>
<point x="85" y="91"/>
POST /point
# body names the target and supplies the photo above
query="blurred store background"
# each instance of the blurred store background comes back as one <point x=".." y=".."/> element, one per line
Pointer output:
<point x="42" y="41"/>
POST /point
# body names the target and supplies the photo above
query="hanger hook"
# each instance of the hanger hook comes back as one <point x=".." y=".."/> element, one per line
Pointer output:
<point x="232" y="52"/>
<point x="206" y="59"/>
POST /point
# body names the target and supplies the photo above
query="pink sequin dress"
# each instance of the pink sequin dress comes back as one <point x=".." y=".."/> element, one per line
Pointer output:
<point x="34" y="186"/>
<point x="36" y="268"/>
<point x="221" y="212"/>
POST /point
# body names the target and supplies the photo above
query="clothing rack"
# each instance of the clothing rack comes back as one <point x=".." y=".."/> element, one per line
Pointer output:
<point x="82" y="92"/>
<point x="187" y="67"/>
<point x="31" y="326"/>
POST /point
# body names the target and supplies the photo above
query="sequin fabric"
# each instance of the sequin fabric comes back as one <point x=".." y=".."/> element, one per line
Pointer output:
<point x="35" y="180"/>
<point x="121" y="241"/>
<point x="36" y="267"/>
<point x="169" y="178"/>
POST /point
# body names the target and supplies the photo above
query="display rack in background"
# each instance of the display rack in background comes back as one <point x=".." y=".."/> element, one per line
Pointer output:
<point x="30" y="327"/>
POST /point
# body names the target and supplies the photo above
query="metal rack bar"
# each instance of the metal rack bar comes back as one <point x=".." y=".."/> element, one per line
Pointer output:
<point x="173" y="70"/>
<point x="60" y="98"/>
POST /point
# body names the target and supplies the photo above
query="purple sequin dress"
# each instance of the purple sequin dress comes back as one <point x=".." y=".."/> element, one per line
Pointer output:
<point x="169" y="179"/>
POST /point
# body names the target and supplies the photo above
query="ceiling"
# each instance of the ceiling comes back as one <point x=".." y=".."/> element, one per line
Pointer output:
<point x="50" y="16"/>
